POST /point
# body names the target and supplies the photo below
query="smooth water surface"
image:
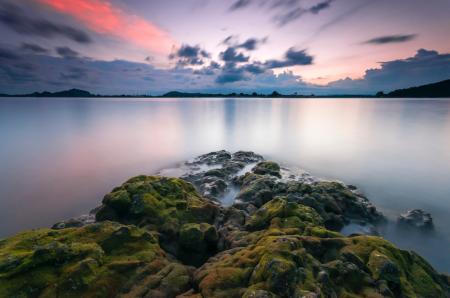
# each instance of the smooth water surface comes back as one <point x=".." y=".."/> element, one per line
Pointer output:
<point x="58" y="157"/>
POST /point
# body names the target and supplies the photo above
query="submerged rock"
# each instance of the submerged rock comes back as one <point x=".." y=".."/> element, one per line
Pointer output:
<point x="160" y="237"/>
<point x="417" y="218"/>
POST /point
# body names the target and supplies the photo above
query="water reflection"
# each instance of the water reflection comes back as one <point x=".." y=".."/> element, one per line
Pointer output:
<point x="59" y="156"/>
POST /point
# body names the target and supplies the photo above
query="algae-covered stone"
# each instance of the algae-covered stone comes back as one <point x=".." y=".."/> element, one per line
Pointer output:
<point x="293" y="215"/>
<point x="197" y="237"/>
<point x="286" y="263"/>
<point x="92" y="261"/>
<point x="267" y="168"/>
<point x="160" y="202"/>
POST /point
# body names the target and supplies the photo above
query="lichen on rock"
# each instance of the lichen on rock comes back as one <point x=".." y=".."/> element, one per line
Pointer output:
<point x="169" y="237"/>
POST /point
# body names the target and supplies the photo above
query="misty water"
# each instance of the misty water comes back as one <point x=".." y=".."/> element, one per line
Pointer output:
<point x="58" y="157"/>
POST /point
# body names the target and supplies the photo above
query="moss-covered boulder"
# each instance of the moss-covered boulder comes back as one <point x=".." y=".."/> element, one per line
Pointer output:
<point x="97" y="260"/>
<point x="284" y="214"/>
<point x="267" y="168"/>
<point x="282" y="263"/>
<point x="256" y="189"/>
<point x="170" y="206"/>
<point x="166" y="203"/>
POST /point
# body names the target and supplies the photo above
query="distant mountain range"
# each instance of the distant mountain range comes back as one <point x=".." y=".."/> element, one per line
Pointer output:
<point x="440" y="89"/>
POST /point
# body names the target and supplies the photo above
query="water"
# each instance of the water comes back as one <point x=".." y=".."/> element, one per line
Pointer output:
<point x="58" y="157"/>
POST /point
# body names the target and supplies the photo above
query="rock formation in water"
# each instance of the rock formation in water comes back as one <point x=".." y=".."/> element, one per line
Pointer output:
<point x="417" y="218"/>
<point x="156" y="236"/>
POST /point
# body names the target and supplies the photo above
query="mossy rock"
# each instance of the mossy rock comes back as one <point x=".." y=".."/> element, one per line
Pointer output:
<point x="160" y="203"/>
<point x="288" y="262"/>
<point x="267" y="168"/>
<point x="292" y="215"/>
<point x="93" y="261"/>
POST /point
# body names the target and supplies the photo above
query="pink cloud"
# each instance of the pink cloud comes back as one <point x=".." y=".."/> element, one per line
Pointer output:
<point x="103" y="17"/>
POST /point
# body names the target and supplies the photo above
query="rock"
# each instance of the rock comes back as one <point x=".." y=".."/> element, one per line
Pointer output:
<point x="198" y="237"/>
<point x="417" y="218"/>
<point x="98" y="260"/>
<point x="165" y="237"/>
<point x="76" y="222"/>
<point x="247" y="157"/>
<point x="267" y="168"/>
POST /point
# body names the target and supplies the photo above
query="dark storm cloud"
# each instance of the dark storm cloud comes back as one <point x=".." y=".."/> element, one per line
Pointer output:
<point x="190" y="55"/>
<point x="34" y="48"/>
<point x="292" y="58"/>
<point x="14" y="18"/>
<point x="67" y="52"/>
<point x="391" y="39"/>
<point x="424" y="67"/>
<point x="231" y="55"/>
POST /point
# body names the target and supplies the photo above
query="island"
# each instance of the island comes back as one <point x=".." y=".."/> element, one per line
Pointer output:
<point x="177" y="234"/>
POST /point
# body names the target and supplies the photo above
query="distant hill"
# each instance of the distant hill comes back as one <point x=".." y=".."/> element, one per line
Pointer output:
<point x="65" y="93"/>
<point x="440" y="89"/>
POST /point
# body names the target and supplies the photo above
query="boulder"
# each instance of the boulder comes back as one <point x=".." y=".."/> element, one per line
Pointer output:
<point x="417" y="218"/>
<point x="267" y="168"/>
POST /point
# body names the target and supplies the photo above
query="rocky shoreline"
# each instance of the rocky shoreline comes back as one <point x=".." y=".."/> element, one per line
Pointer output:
<point x="220" y="225"/>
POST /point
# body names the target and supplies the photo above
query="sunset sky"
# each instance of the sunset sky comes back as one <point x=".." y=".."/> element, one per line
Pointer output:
<point x="151" y="47"/>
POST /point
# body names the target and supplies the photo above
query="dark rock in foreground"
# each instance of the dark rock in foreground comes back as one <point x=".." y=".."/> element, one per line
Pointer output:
<point x="417" y="218"/>
<point x="159" y="237"/>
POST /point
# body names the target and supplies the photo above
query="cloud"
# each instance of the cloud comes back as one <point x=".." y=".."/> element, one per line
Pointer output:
<point x="105" y="18"/>
<point x="251" y="44"/>
<point x="292" y="58"/>
<point x="239" y="4"/>
<point x="34" y="48"/>
<point x="341" y="18"/>
<point x="6" y="54"/>
<point x="231" y="55"/>
<point x="67" y="52"/>
<point x="425" y="67"/>
<point x="390" y="39"/>
<point x="320" y="6"/>
<point x="230" y="76"/>
<point x="14" y="18"/>
<point x="190" y="55"/>
<point x="285" y="11"/>
<point x="74" y="73"/>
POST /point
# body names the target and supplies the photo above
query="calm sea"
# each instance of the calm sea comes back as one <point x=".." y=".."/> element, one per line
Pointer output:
<point x="58" y="156"/>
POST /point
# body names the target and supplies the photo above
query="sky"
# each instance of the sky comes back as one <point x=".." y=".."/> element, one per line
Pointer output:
<point x="291" y="46"/>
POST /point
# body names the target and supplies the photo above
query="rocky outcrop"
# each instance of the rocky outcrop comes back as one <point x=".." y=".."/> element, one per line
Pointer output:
<point x="160" y="237"/>
<point x="417" y="218"/>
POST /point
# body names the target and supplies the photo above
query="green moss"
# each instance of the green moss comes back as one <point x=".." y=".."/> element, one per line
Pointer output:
<point x="321" y="232"/>
<point x="95" y="260"/>
<point x="155" y="200"/>
<point x="267" y="168"/>
<point x="293" y="215"/>
<point x="283" y="249"/>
